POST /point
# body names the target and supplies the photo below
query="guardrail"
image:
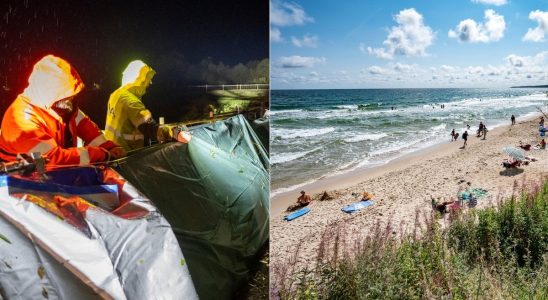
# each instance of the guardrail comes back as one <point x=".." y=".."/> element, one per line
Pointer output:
<point x="228" y="87"/>
<point x="250" y="114"/>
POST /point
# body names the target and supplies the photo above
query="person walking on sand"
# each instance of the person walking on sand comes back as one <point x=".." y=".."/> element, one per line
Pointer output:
<point x="480" y="129"/>
<point x="465" y="138"/>
<point x="484" y="131"/>
<point x="513" y="119"/>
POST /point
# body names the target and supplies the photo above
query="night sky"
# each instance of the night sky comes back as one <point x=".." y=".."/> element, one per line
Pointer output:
<point x="99" y="38"/>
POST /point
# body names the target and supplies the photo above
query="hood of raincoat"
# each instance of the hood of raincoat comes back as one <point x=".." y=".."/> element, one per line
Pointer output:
<point x="52" y="79"/>
<point x="136" y="77"/>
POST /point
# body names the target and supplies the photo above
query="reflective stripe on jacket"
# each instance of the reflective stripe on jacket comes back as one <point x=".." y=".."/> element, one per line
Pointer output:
<point x="30" y="125"/>
<point x="126" y="111"/>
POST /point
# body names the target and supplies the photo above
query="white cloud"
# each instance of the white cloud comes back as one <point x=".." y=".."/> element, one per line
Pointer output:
<point x="376" y="70"/>
<point x="527" y="61"/>
<point x="288" y="14"/>
<point x="470" y="31"/>
<point x="403" y="68"/>
<point x="491" y="2"/>
<point x="447" y="68"/>
<point x="300" y="61"/>
<point x="306" y="41"/>
<point x="537" y="34"/>
<point x="275" y="35"/>
<point x="411" y="37"/>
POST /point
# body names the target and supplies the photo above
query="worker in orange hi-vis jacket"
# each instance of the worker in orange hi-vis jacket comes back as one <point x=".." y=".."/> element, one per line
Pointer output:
<point x="44" y="118"/>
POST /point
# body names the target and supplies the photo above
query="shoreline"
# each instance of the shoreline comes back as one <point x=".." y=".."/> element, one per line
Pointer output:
<point x="403" y="189"/>
<point x="280" y="201"/>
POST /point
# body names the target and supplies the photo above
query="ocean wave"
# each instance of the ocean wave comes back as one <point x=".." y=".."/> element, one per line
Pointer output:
<point x="296" y="133"/>
<point x="285" y="111"/>
<point x="365" y="137"/>
<point x="278" y="158"/>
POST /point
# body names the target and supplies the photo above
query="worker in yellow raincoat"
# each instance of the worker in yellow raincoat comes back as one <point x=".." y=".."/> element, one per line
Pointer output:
<point x="129" y="123"/>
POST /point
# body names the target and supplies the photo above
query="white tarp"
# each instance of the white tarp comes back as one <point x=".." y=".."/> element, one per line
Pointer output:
<point x="44" y="257"/>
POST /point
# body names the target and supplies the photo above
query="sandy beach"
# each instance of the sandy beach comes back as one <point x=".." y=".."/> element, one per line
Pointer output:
<point x="404" y="186"/>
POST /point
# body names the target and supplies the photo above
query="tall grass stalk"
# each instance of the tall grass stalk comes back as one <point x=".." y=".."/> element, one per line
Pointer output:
<point x="500" y="252"/>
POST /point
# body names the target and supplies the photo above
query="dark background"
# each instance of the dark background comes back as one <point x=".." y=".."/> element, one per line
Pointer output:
<point x="179" y="39"/>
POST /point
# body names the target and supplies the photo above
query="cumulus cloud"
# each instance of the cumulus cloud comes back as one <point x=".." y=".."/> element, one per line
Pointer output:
<point x="537" y="34"/>
<point x="376" y="70"/>
<point x="470" y="31"/>
<point x="410" y="38"/>
<point x="288" y="14"/>
<point x="526" y="61"/>
<point x="275" y="35"/>
<point x="491" y="2"/>
<point x="300" y="61"/>
<point x="306" y="41"/>
<point x="403" y="68"/>
<point x="447" y="68"/>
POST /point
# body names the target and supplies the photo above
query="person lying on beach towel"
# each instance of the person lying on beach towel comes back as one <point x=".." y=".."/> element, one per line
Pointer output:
<point x="511" y="164"/>
<point x="441" y="207"/>
<point x="302" y="201"/>
<point x="526" y="147"/>
<point x="540" y="146"/>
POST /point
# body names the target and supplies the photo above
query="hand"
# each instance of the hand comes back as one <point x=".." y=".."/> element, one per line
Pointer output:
<point x="163" y="134"/>
<point x="184" y="137"/>
<point x="117" y="152"/>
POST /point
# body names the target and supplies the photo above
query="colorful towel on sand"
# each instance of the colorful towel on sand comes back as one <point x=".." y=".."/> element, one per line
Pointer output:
<point x="472" y="193"/>
<point x="472" y="196"/>
<point x="357" y="206"/>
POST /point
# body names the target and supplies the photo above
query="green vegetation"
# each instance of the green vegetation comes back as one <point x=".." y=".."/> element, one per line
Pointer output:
<point x="493" y="253"/>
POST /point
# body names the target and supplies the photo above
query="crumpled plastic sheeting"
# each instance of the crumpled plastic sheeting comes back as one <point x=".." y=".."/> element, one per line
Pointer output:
<point x="214" y="192"/>
<point x="125" y="259"/>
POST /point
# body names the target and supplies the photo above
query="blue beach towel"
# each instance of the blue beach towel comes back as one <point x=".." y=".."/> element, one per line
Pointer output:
<point x="357" y="206"/>
<point x="296" y="214"/>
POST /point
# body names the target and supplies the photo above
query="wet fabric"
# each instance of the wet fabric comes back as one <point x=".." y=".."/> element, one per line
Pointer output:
<point x="32" y="124"/>
<point x="126" y="112"/>
<point x="129" y="253"/>
<point x="214" y="192"/>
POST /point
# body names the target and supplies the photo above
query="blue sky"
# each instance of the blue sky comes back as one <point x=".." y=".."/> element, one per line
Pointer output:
<point x="392" y="44"/>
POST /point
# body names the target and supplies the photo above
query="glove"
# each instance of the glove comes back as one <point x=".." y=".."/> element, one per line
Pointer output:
<point x="117" y="152"/>
<point x="181" y="135"/>
<point x="163" y="134"/>
<point x="184" y="137"/>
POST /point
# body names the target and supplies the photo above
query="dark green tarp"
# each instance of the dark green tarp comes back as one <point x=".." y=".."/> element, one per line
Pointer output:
<point x="214" y="192"/>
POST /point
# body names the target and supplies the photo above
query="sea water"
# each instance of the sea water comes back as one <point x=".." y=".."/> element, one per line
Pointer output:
<point x="317" y="133"/>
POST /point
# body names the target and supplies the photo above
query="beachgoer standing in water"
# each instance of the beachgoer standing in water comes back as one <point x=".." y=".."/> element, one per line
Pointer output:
<point x="513" y="118"/>
<point x="465" y="138"/>
<point x="453" y="135"/>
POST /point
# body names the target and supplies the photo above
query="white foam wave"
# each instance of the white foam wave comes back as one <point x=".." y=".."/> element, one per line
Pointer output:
<point x="278" y="158"/>
<point x="366" y="137"/>
<point x="296" y="133"/>
<point x="284" y="111"/>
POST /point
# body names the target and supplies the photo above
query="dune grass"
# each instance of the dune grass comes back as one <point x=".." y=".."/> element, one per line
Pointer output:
<point x="499" y="252"/>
